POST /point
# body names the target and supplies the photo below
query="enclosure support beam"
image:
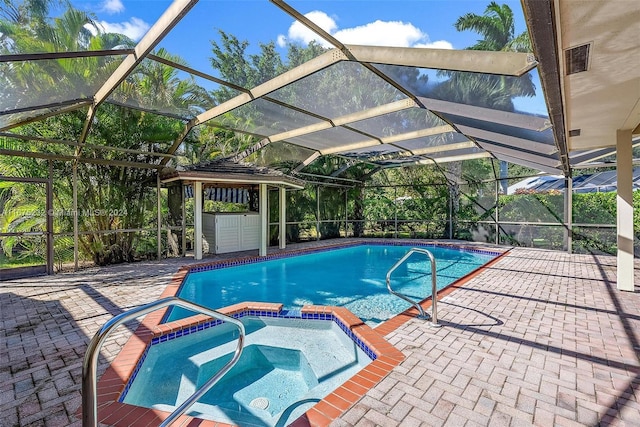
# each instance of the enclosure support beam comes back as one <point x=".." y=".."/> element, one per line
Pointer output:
<point x="99" y="161"/>
<point x="184" y="221"/>
<point x="197" y="220"/>
<point x="568" y="214"/>
<point x="282" y="192"/>
<point x="316" y="64"/>
<point x="317" y="212"/>
<point x="264" y="219"/>
<point x="346" y="213"/>
<point x="625" y="210"/>
<point x="75" y="215"/>
<point x="159" y="212"/>
<point x="307" y="161"/>
<point x="329" y="122"/>
<point x="50" y="220"/>
<point x="169" y="19"/>
<point x="450" y="213"/>
<point x="503" y="63"/>
<point x="497" y="215"/>
<point x="395" y="212"/>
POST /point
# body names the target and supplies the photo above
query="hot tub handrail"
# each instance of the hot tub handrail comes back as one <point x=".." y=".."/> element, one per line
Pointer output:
<point x="89" y="366"/>
<point x="434" y="289"/>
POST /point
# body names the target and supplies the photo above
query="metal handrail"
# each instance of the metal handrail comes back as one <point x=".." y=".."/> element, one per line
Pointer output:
<point x="434" y="289"/>
<point x="89" y="366"/>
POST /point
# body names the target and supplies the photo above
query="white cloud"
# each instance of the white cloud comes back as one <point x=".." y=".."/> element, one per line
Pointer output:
<point x="382" y="33"/>
<point x="112" y="6"/>
<point x="135" y="28"/>
<point x="377" y="33"/>
<point x="440" y="44"/>
<point x="298" y="33"/>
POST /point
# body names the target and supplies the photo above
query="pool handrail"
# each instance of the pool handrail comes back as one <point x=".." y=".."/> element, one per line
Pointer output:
<point x="434" y="289"/>
<point x="89" y="366"/>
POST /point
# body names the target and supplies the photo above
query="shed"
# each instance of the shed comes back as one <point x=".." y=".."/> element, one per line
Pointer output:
<point x="227" y="180"/>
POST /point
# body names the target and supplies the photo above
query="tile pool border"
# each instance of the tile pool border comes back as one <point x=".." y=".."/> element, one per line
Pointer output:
<point x="197" y="325"/>
<point x="174" y="287"/>
<point x="215" y="265"/>
<point x="115" y="382"/>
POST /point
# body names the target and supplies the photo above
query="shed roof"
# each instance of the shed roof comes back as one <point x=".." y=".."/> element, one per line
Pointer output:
<point x="225" y="171"/>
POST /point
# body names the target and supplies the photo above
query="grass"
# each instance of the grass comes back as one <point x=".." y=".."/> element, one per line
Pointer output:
<point x="20" y="261"/>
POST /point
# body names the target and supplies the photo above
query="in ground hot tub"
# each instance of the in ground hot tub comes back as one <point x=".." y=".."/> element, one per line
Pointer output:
<point x="289" y="364"/>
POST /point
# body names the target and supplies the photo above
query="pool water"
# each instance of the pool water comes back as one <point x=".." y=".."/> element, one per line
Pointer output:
<point x="286" y="367"/>
<point x="353" y="277"/>
<point x="276" y="375"/>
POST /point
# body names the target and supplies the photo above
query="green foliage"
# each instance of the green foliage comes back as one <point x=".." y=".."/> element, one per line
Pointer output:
<point x="535" y="207"/>
<point x="497" y="26"/>
<point x="416" y="199"/>
<point x="110" y="197"/>
<point x="598" y="208"/>
<point x="22" y="209"/>
<point x="115" y="197"/>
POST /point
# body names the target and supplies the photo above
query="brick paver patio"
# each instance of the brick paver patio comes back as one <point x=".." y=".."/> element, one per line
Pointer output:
<point x="539" y="338"/>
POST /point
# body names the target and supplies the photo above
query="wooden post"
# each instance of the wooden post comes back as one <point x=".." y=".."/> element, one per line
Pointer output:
<point x="264" y="219"/>
<point x="282" y="192"/>
<point x="197" y="220"/>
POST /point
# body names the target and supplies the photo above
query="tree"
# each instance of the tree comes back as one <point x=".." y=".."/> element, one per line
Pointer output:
<point x="22" y="209"/>
<point x="236" y="67"/>
<point x="104" y="190"/>
<point x="32" y="83"/>
<point x="497" y="28"/>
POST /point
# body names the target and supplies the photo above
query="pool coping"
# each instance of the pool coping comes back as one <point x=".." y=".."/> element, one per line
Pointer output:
<point x="173" y="288"/>
<point x="113" y="382"/>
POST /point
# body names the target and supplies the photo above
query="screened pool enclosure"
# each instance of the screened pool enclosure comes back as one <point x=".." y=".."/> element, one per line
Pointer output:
<point x="380" y="141"/>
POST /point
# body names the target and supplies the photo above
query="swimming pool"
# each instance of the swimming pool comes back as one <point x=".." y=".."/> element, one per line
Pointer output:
<point x="353" y="277"/>
<point x="287" y="366"/>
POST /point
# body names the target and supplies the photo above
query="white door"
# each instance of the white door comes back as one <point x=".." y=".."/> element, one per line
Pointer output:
<point x="227" y="236"/>
<point x="250" y="232"/>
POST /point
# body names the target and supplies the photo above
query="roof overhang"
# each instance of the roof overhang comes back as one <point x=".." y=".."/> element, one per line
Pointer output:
<point x="588" y="108"/>
<point x="228" y="179"/>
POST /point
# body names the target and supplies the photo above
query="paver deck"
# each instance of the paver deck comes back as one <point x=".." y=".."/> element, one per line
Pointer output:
<point x="538" y="338"/>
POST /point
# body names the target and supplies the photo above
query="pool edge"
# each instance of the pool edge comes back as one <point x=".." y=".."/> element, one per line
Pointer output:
<point x="113" y="382"/>
<point x="395" y="322"/>
<point x="321" y="414"/>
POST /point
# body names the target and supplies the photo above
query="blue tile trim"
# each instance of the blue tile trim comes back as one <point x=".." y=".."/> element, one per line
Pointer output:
<point x="284" y="314"/>
<point x="418" y="243"/>
<point x="253" y="260"/>
<point x="134" y="374"/>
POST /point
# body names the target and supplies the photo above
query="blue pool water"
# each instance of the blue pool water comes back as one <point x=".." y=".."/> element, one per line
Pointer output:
<point x="353" y="277"/>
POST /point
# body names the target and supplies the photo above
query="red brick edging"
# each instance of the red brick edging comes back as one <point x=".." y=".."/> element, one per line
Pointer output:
<point x="113" y="382"/>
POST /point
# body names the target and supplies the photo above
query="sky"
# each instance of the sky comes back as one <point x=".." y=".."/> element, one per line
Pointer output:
<point x="408" y="23"/>
<point x="415" y="23"/>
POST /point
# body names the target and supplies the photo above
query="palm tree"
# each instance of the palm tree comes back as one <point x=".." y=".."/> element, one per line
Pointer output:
<point x="497" y="28"/>
<point x="100" y="187"/>
<point x="32" y="83"/>
<point x="21" y="210"/>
